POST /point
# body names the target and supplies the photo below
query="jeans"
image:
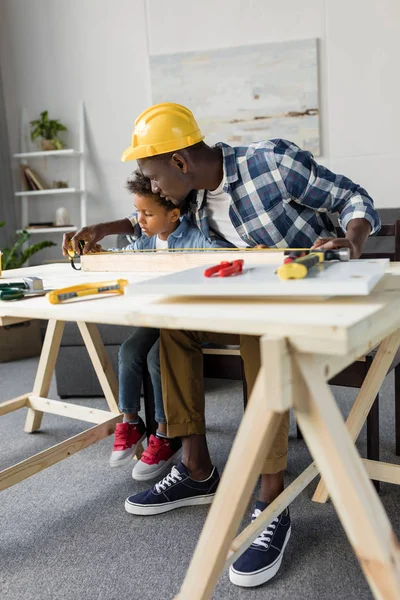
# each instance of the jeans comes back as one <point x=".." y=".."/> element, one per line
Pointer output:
<point x="142" y="346"/>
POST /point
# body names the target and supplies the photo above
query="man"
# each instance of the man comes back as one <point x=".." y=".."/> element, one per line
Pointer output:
<point x="270" y="193"/>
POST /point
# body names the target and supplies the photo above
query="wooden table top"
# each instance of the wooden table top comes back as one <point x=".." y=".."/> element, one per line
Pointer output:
<point x="334" y="326"/>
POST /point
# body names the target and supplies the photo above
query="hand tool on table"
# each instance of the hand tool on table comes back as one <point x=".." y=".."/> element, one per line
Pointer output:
<point x="87" y="289"/>
<point x="27" y="283"/>
<point x="29" y="287"/>
<point x="297" y="267"/>
<point x="19" y="294"/>
<point x="72" y="255"/>
<point x="225" y="269"/>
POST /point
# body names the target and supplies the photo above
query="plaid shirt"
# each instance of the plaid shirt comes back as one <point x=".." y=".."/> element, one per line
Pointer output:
<point x="281" y="197"/>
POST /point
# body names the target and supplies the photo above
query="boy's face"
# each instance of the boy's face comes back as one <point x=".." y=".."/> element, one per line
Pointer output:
<point x="154" y="218"/>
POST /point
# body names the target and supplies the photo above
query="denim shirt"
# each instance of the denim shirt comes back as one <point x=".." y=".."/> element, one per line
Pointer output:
<point x="186" y="235"/>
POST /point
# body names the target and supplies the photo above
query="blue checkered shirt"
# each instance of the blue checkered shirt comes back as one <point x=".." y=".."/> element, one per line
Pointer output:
<point x="282" y="198"/>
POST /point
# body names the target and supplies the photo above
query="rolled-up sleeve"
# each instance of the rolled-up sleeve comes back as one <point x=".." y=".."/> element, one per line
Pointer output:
<point x="318" y="188"/>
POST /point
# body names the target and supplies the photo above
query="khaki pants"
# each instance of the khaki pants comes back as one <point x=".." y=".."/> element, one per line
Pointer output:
<point x="183" y="385"/>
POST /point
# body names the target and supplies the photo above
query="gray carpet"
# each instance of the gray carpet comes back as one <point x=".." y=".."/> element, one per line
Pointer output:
<point x="65" y="533"/>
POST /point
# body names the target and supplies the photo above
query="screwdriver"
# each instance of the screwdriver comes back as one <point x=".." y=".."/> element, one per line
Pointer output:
<point x="299" y="267"/>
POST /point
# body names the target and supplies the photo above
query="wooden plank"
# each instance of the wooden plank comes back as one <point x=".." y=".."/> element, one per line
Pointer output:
<point x="249" y="534"/>
<point x="380" y="471"/>
<point x="366" y="396"/>
<point x="101" y="363"/>
<point x="255" y="436"/>
<point x="4" y="321"/>
<point x="45" y="370"/>
<point x="366" y="334"/>
<point x="14" y="404"/>
<point x="171" y="262"/>
<point x="316" y="327"/>
<point x="275" y="350"/>
<point x="65" y="409"/>
<point x="42" y="460"/>
<point x="390" y="281"/>
<point x="353" y="494"/>
<point x="332" y="365"/>
<point x="334" y="327"/>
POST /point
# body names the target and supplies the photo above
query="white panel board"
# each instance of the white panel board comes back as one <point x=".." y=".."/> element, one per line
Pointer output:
<point x="353" y="278"/>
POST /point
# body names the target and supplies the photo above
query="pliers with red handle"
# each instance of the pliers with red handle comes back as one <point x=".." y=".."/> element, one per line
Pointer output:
<point x="225" y="269"/>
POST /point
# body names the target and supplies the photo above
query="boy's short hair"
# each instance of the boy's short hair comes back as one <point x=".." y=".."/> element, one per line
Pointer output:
<point x="141" y="185"/>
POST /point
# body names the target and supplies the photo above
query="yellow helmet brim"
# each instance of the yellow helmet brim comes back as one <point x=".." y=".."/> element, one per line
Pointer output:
<point x="132" y="153"/>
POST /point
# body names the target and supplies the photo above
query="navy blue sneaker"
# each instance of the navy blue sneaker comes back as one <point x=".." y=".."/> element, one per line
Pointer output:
<point x="261" y="561"/>
<point x="177" y="489"/>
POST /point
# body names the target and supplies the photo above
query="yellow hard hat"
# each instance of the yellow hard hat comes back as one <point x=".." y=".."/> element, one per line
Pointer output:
<point x="162" y="128"/>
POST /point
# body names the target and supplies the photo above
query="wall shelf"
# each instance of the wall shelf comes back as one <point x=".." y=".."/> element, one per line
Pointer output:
<point x="50" y="229"/>
<point x="25" y="156"/>
<point x="50" y="192"/>
<point x="66" y="152"/>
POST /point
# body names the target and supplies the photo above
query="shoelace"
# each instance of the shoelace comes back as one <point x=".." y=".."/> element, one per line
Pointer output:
<point x="173" y="477"/>
<point x="264" y="539"/>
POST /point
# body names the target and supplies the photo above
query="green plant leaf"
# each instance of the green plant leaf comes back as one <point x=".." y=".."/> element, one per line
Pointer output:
<point x="45" y="127"/>
<point x="58" y="143"/>
<point x="16" y="256"/>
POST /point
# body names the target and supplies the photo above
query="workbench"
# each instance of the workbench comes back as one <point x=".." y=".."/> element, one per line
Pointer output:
<point x="300" y="350"/>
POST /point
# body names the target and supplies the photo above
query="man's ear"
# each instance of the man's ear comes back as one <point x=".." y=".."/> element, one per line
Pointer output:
<point x="180" y="162"/>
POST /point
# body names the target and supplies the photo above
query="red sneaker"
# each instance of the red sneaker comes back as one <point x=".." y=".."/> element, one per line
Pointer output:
<point x="127" y="437"/>
<point x="158" y="455"/>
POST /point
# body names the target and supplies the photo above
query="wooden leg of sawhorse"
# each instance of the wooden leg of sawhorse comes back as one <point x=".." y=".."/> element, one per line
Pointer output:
<point x="356" y="501"/>
<point x="366" y="396"/>
<point x="254" y="438"/>
<point x="48" y="357"/>
<point x="45" y="371"/>
<point x="256" y="433"/>
<point x="101" y="363"/>
<point x="103" y="368"/>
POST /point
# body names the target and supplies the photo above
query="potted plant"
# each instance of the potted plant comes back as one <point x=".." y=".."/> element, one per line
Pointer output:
<point x="20" y="340"/>
<point x="48" y="130"/>
<point x="16" y="256"/>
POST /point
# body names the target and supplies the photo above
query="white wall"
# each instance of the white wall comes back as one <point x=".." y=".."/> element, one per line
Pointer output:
<point x="55" y="53"/>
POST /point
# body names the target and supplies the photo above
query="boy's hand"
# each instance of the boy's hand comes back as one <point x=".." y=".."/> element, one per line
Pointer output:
<point x="335" y="243"/>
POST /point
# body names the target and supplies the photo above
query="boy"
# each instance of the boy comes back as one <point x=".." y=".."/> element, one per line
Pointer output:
<point x="161" y="227"/>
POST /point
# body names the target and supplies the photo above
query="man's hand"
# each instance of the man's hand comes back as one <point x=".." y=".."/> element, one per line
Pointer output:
<point x="91" y="235"/>
<point x="357" y="233"/>
<point x="335" y="243"/>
